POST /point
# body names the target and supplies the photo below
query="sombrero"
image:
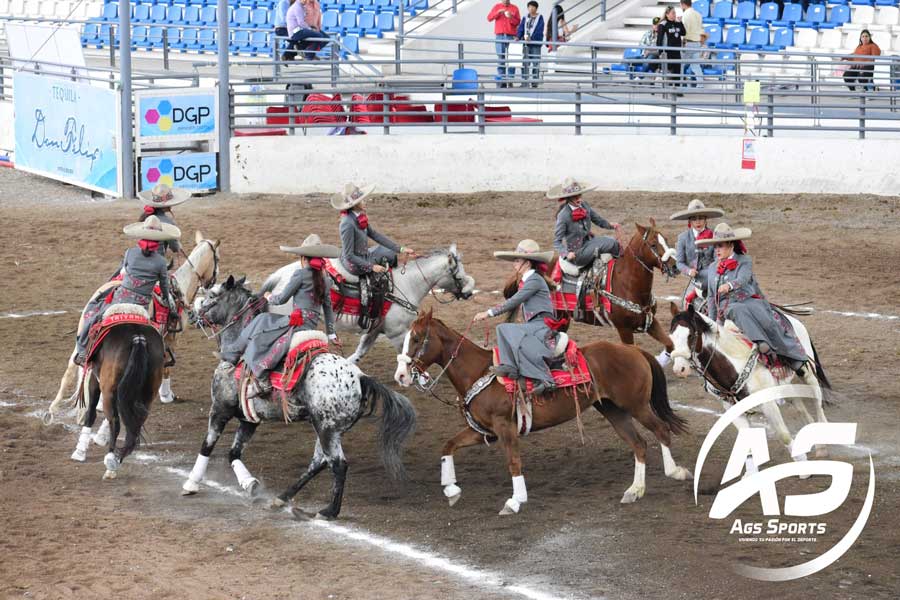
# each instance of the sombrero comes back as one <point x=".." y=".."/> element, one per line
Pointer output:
<point x="312" y="247"/>
<point x="696" y="208"/>
<point x="724" y="233"/>
<point x="162" y="196"/>
<point x="527" y="250"/>
<point x="351" y="196"/>
<point x="569" y="187"/>
<point x="152" y="228"/>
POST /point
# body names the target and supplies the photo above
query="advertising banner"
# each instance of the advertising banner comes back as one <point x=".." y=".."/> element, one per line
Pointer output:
<point x="176" y="114"/>
<point x="192" y="171"/>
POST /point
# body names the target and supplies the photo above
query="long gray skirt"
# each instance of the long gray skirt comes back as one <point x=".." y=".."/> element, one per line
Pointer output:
<point x="376" y="255"/>
<point x="760" y="323"/>
<point x="594" y="247"/>
<point x="265" y="342"/>
<point x="525" y="346"/>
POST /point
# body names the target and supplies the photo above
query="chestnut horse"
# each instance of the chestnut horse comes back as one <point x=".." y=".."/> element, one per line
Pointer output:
<point x="627" y="382"/>
<point x="632" y="284"/>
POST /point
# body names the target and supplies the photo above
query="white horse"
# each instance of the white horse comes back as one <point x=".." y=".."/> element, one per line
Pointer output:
<point x="412" y="282"/>
<point x="732" y="372"/>
<point x="199" y="271"/>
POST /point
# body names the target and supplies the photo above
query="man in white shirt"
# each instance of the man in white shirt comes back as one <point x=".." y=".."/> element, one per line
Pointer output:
<point x="695" y="36"/>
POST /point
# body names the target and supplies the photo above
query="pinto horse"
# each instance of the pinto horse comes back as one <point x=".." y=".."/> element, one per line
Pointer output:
<point x="633" y="306"/>
<point x="126" y="369"/>
<point x="627" y="383"/>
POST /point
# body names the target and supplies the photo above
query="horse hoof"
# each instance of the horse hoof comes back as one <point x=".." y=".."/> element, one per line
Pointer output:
<point x="301" y="515"/>
<point x="79" y="455"/>
<point x="47" y="418"/>
<point x="681" y="474"/>
<point x="111" y="462"/>
<point x="190" y="488"/>
<point x="167" y="398"/>
<point x="325" y="515"/>
<point x="252" y="487"/>
<point x="452" y="492"/>
<point x="453" y="499"/>
<point x="109" y="475"/>
<point x="277" y="503"/>
<point x="511" y="507"/>
<point x="633" y="495"/>
<point x="100" y="439"/>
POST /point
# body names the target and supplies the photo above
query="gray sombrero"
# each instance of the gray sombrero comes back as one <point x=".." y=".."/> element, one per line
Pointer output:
<point x="312" y="247"/>
<point x="163" y="196"/>
<point x="351" y="196"/>
<point x="568" y="188"/>
<point x="724" y="233"/>
<point x="527" y="250"/>
<point x="152" y="228"/>
<point x="696" y="208"/>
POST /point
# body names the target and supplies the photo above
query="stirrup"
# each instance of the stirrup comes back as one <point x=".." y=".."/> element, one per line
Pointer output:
<point x="544" y="387"/>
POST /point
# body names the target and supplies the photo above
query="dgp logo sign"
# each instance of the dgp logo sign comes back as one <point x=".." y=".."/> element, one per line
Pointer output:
<point x="195" y="171"/>
<point x="182" y="114"/>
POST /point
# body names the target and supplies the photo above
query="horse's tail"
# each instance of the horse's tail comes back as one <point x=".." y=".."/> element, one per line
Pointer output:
<point x="659" y="397"/>
<point x="820" y="370"/>
<point x="398" y="420"/>
<point x="135" y="378"/>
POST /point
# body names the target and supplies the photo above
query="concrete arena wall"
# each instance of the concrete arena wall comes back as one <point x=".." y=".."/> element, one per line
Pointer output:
<point x="469" y="163"/>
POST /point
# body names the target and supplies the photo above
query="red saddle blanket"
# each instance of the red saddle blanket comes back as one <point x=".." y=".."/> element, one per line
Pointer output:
<point x="577" y="375"/>
<point x="294" y="365"/>
<point x="100" y="330"/>
<point x="569" y="302"/>
<point x="346" y="305"/>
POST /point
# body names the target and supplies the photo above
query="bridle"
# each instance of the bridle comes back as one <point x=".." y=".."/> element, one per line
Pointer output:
<point x="458" y="282"/>
<point x="695" y="344"/>
<point x="251" y="304"/>
<point x="417" y="368"/>
<point x="205" y="285"/>
<point x="663" y="267"/>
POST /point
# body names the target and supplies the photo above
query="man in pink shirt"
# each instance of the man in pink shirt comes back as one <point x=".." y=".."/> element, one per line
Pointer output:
<point x="506" y="22"/>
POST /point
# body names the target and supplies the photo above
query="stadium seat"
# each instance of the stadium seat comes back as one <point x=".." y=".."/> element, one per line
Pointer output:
<point x="173" y="14"/>
<point x="385" y="21"/>
<point x="757" y="38"/>
<point x="259" y="17"/>
<point x="806" y="38"/>
<point x="702" y="7"/>
<point x="862" y="2"/>
<point x="260" y="41"/>
<point x="347" y="22"/>
<point x="831" y="40"/>
<point x="190" y="15"/>
<point x="862" y="16"/>
<point x="330" y="22"/>
<point x="89" y="34"/>
<point x="722" y="10"/>
<point x="139" y="37"/>
<point x="102" y="36"/>
<point x="206" y="40"/>
<point x="208" y="15"/>
<point x="349" y="45"/>
<point x="839" y="15"/>
<point x="745" y="11"/>
<point x="714" y="35"/>
<point x="768" y="12"/>
<point x="155" y="37"/>
<point x="735" y="35"/>
<point x="240" y="17"/>
<point x="387" y="6"/>
<point x="141" y="13"/>
<point x="188" y="40"/>
<point x="887" y="15"/>
<point x="240" y="42"/>
<point x="413" y="7"/>
<point x="781" y="39"/>
<point x="158" y="13"/>
<point x="365" y="25"/>
<point x="110" y="12"/>
<point x="790" y="15"/>
<point x="464" y="79"/>
<point x="815" y="14"/>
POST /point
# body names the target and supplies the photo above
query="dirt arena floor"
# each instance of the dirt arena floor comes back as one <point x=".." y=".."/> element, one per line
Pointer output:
<point x="67" y="534"/>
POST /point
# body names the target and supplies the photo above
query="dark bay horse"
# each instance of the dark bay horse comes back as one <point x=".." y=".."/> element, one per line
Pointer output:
<point x="627" y="383"/>
<point x="126" y="370"/>
<point x="633" y="308"/>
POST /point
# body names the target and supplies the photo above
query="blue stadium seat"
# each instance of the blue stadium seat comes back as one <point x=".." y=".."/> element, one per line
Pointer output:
<point x="862" y="2"/>
<point x="260" y="41"/>
<point x="720" y="68"/>
<point x="790" y="15"/>
<point x="190" y="16"/>
<point x="174" y="14"/>
<point x="158" y="13"/>
<point x="414" y="7"/>
<point x="155" y="36"/>
<point x="208" y="15"/>
<point x="260" y="18"/>
<point x="365" y="5"/>
<point x="631" y="56"/>
<point x="206" y="40"/>
<point x="139" y="36"/>
<point x="815" y="14"/>
<point x="240" y="42"/>
<point x="464" y="79"/>
<point x="102" y="36"/>
<point x="768" y="12"/>
<point x="240" y="17"/>
<point x="349" y="44"/>
<point x="330" y="22"/>
<point x="757" y="38"/>
<point x="141" y="13"/>
<point x="714" y="35"/>
<point x="745" y="11"/>
<point x="839" y="15"/>
<point x="347" y="22"/>
<point x="735" y="35"/>
<point x="387" y="6"/>
<point x="781" y="39"/>
<point x="187" y="40"/>
<point x="722" y="10"/>
<point x="385" y="21"/>
<point x="702" y="7"/>
<point x="110" y="12"/>
<point x="365" y="25"/>
<point x="89" y="34"/>
<point x="885" y="2"/>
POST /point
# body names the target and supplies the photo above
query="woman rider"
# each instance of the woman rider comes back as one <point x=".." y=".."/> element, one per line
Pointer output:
<point x="573" y="238"/>
<point x="690" y="259"/>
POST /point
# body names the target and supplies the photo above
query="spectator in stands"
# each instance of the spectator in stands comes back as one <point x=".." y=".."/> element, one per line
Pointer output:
<point x="506" y="22"/>
<point x="281" y="17"/>
<point x="863" y="71"/>
<point x="563" y="29"/>
<point x="648" y="41"/>
<point x="531" y="31"/>
<point x="694" y="38"/>
<point x="670" y="35"/>
<point x="301" y="29"/>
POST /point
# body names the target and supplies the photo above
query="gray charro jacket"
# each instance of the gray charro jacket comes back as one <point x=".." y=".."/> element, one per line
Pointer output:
<point x="534" y="298"/>
<point x="745" y="285"/>
<point x="571" y="235"/>
<point x="142" y="273"/>
<point x="301" y="288"/>
<point x="689" y="256"/>
<point x="355" y="243"/>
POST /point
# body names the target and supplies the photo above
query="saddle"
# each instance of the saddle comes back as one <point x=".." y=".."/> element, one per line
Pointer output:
<point x="115" y="315"/>
<point x="568" y="367"/>
<point x="304" y="347"/>
<point x="158" y="311"/>
<point x="362" y="297"/>
<point x="774" y="365"/>
<point x="575" y="284"/>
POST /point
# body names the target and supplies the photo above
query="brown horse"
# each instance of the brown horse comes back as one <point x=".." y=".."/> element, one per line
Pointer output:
<point x="627" y="382"/>
<point x="633" y="308"/>
<point x="126" y="369"/>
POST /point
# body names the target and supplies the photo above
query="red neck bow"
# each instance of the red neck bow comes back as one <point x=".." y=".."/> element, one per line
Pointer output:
<point x="296" y="318"/>
<point x="148" y="245"/>
<point x="729" y="264"/>
<point x="578" y="214"/>
<point x="149" y="210"/>
<point x="363" y="220"/>
<point x="556" y="324"/>
<point x="316" y="264"/>
<point x="706" y="234"/>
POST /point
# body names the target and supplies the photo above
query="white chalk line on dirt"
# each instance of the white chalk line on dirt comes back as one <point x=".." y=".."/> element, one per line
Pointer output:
<point x="32" y="313"/>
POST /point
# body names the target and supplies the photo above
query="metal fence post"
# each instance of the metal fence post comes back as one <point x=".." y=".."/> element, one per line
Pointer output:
<point x="593" y="66"/>
<point x="400" y="28"/>
<point x="673" y="115"/>
<point x="862" y="114"/>
<point x="112" y="46"/>
<point x="602" y="10"/>
<point x="481" y="112"/>
<point x="453" y="8"/>
<point x="165" y="43"/>
<point x="385" y="114"/>
<point x="461" y="54"/>
<point x="126" y="102"/>
<point x="770" y="112"/>
<point x="335" y="56"/>
<point x="577" y="113"/>
<point x="225" y="99"/>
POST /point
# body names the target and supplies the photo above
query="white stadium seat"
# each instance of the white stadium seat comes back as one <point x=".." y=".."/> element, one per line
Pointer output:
<point x="831" y="39"/>
<point x="4" y="7"/>
<point x="17" y="8"/>
<point x="806" y="38"/>
<point x="33" y="8"/>
<point x="862" y="16"/>
<point x="48" y="9"/>
<point x="895" y="44"/>
<point x="887" y="15"/>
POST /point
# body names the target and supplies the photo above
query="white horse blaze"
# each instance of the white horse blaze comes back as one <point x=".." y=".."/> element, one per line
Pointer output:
<point x="402" y="374"/>
<point x="669" y="252"/>
<point x="681" y="367"/>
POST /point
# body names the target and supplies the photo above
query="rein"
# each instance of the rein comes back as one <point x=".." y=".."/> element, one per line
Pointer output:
<point x="417" y="368"/>
<point x="251" y="304"/>
<point x="717" y="388"/>
<point x="454" y="273"/>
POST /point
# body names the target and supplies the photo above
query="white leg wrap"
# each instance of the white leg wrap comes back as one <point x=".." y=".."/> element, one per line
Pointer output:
<point x="199" y="470"/>
<point x="448" y="470"/>
<point x="243" y="475"/>
<point x="111" y="462"/>
<point x="520" y="494"/>
<point x="165" y="391"/>
<point x="101" y="438"/>
<point x="84" y="439"/>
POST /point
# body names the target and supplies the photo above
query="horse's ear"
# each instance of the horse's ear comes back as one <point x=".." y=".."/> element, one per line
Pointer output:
<point x="640" y="227"/>
<point x="198" y="237"/>
<point x="673" y="308"/>
<point x="691" y="311"/>
<point x="216" y="245"/>
<point x="652" y="222"/>
<point x="240" y="282"/>
<point x="229" y="283"/>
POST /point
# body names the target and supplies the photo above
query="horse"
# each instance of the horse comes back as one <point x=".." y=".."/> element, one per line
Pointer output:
<point x="627" y="383"/>
<point x="632" y="304"/>
<point x="126" y="369"/>
<point x="332" y="394"/>
<point x="412" y="282"/>
<point x="199" y="271"/>
<point x="731" y="371"/>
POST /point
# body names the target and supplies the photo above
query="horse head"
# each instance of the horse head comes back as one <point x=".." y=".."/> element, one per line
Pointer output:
<point x="223" y="302"/>
<point x="454" y="278"/>
<point x="687" y="331"/>
<point x="200" y="269"/>
<point x="651" y="248"/>
<point x="422" y="347"/>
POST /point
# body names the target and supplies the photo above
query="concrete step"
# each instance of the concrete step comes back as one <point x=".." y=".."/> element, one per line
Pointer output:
<point x="642" y="22"/>
<point x="621" y="34"/>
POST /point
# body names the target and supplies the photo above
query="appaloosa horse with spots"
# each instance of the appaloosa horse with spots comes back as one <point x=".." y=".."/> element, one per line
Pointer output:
<point x="332" y="394"/>
<point x="627" y="383"/>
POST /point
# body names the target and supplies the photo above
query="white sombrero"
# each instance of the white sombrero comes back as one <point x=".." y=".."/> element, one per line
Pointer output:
<point x="568" y="188"/>
<point x="351" y="196"/>
<point x="163" y="196"/>
<point x="527" y="250"/>
<point x="312" y="247"/>
<point x="152" y="228"/>
<point x="696" y="208"/>
<point x="724" y="233"/>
